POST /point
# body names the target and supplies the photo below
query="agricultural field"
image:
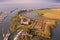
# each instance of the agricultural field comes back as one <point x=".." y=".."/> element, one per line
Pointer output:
<point x="49" y="13"/>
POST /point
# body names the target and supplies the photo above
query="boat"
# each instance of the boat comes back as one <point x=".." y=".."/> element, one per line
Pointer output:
<point x="17" y="35"/>
<point x="6" y="36"/>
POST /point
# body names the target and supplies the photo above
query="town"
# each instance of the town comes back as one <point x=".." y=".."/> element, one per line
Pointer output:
<point x="27" y="26"/>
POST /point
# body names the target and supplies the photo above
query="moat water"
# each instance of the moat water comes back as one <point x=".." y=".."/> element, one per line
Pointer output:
<point x="5" y="24"/>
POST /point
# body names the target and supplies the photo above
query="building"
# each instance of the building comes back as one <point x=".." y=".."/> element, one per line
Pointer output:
<point x="25" y="21"/>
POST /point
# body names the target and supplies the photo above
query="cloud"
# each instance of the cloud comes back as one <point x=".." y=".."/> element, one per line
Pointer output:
<point x="57" y="1"/>
<point x="28" y="1"/>
<point x="3" y="0"/>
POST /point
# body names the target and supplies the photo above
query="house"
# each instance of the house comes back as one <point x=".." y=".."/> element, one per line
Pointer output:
<point x="25" y="21"/>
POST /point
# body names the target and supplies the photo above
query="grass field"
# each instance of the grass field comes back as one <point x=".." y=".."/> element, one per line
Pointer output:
<point x="49" y="13"/>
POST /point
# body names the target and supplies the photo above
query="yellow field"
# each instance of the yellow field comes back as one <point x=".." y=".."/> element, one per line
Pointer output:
<point x="49" y="13"/>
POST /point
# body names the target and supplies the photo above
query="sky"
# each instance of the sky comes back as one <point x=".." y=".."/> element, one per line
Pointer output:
<point x="29" y="1"/>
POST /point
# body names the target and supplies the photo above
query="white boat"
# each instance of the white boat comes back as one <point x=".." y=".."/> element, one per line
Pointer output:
<point x="6" y="36"/>
<point x="3" y="35"/>
<point x="18" y="34"/>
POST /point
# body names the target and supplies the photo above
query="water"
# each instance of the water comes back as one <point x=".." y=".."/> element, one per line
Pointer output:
<point x="30" y="14"/>
<point x="57" y="32"/>
<point x="5" y="24"/>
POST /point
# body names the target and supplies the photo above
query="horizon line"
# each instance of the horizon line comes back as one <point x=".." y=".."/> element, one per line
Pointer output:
<point x="27" y="3"/>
